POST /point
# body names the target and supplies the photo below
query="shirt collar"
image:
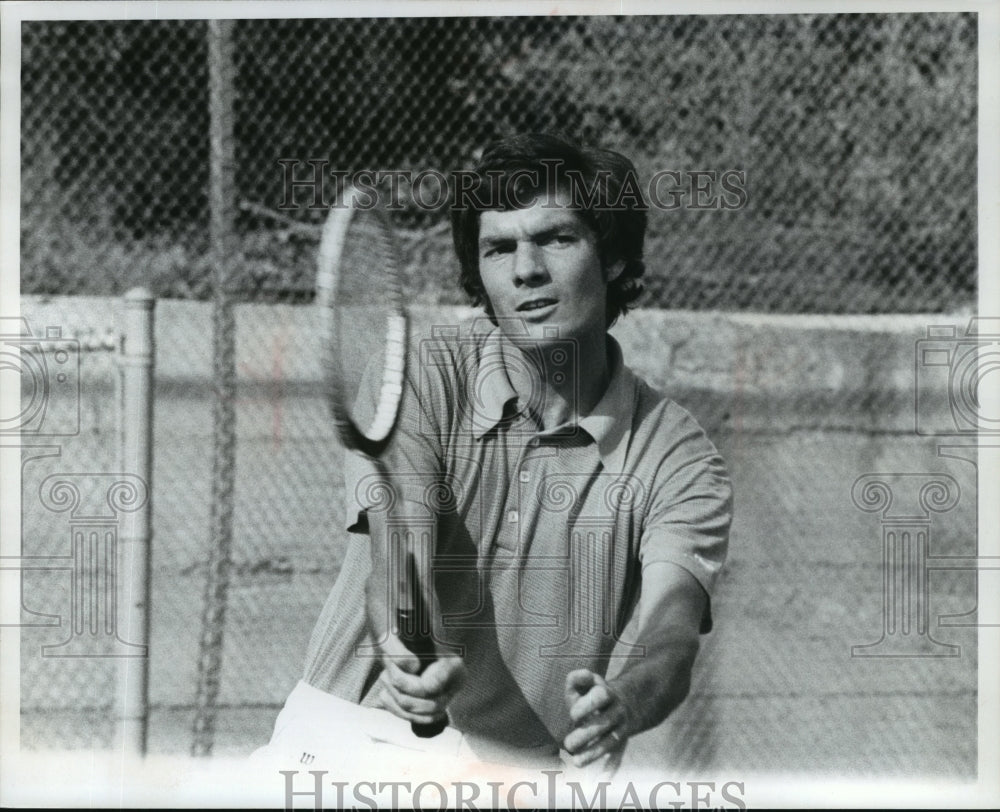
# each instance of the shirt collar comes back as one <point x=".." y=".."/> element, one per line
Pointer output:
<point x="609" y="423"/>
<point x="493" y="389"/>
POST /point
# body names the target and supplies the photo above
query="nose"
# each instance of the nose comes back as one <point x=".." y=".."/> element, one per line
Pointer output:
<point x="529" y="265"/>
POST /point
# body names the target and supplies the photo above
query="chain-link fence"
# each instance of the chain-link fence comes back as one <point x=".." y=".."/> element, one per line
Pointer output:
<point x="856" y="133"/>
<point x="857" y="137"/>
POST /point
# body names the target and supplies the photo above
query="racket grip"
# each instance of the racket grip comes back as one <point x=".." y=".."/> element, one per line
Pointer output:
<point x="428" y="731"/>
<point x="418" y="641"/>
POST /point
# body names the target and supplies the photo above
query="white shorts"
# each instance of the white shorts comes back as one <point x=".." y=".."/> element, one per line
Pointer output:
<point x="316" y="730"/>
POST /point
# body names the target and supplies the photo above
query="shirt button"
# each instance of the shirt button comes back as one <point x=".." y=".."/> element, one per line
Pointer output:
<point x="512" y="516"/>
<point x="524" y="476"/>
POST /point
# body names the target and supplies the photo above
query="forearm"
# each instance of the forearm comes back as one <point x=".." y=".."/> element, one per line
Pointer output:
<point x="415" y="683"/>
<point x="411" y="528"/>
<point x="670" y="609"/>
<point x="653" y="687"/>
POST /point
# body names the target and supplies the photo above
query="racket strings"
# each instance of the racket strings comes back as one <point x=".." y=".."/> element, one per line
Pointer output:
<point x="359" y="283"/>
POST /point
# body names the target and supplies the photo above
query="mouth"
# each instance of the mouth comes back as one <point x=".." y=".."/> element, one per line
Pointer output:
<point x="535" y="304"/>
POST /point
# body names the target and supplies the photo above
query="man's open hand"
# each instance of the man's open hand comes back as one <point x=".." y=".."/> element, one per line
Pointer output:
<point x="599" y="716"/>
<point x="421" y="698"/>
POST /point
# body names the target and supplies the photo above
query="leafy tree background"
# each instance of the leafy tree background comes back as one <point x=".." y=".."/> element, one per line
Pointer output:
<point x="857" y="134"/>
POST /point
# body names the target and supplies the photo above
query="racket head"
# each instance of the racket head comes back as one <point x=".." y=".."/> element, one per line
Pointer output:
<point x="363" y="320"/>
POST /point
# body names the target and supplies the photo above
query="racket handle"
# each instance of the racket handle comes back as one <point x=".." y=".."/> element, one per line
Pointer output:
<point x="419" y="642"/>
<point x="428" y="731"/>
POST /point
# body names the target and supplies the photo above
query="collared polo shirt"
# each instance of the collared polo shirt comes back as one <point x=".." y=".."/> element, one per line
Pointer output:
<point x="538" y="536"/>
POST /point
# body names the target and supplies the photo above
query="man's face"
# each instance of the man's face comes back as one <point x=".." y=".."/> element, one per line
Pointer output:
<point x="540" y="267"/>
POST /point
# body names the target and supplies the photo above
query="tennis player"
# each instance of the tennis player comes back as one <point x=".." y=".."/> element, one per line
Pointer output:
<point x="576" y="519"/>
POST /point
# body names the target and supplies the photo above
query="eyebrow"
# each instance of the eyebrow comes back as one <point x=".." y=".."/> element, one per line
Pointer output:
<point x="546" y="233"/>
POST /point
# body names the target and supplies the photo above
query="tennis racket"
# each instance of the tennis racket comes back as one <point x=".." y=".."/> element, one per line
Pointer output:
<point x="363" y="321"/>
<point x="364" y="327"/>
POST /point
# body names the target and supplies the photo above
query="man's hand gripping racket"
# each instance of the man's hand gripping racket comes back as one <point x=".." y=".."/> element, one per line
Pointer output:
<point x="364" y="328"/>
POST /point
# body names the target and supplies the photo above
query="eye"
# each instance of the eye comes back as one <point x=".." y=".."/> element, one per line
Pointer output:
<point x="496" y="249"/>
<point x="559" y="239"/>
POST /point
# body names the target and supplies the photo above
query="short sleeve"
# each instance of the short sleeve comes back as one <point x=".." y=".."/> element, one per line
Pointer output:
<point x="413" y="453"/>
<point x="690" y="509"/>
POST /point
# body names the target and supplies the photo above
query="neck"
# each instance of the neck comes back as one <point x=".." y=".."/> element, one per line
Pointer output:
<point x="572" y="390"/>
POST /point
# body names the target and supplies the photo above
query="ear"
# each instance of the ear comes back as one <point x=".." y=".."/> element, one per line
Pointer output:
<point x="614" y="270"/>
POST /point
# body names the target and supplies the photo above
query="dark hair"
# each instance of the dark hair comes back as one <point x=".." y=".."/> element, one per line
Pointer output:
<point x="515" y="172"/>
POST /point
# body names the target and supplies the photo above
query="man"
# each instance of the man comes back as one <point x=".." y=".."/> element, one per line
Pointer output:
<point x="571" y="520"/>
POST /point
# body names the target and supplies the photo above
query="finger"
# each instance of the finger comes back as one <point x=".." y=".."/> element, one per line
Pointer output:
<point x="393" y="651"/>
<point x="392" y="703"/>
<point x="417" y="694"/>
<point x="579" y="739"/>
<point x="378" y="693"/>
<point x="414" y="704"/>
<point x="595" y="727"/>
<point x="603" y="746"/>
<point x="445" y="675"/>
<point x="612" y="763"/>
<point x="411" y="684"/>
<point x="441" y="680"/>
<point x="578" y="682"/>
<point x="596" y="700"/>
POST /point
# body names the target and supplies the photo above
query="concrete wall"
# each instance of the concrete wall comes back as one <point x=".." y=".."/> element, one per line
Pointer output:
<point x="754" y="372"/>
<point x="800" y="407"/>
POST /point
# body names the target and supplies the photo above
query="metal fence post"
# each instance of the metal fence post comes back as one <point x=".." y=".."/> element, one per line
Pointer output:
<point x="222" y="195"/>
<point x="134" y="542"/>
